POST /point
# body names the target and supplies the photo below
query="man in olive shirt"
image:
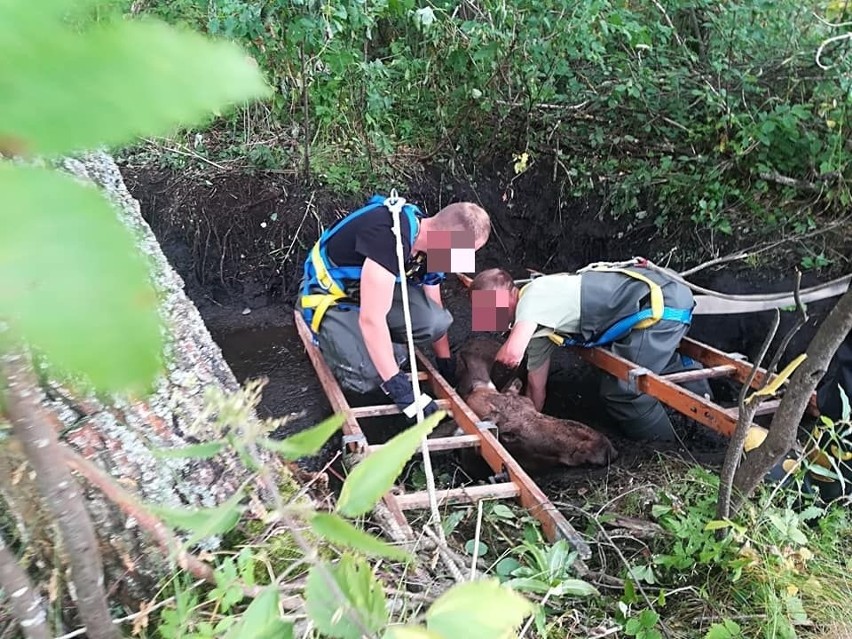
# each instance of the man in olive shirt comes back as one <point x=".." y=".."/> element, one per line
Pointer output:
<point x="584" y="309"/>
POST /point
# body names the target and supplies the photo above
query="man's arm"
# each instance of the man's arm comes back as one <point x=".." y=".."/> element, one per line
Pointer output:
<point x="537" y="384"/>
<point x="512" y="351"/>
<point x="377" y="284"/>
<point x="442" y="344"/>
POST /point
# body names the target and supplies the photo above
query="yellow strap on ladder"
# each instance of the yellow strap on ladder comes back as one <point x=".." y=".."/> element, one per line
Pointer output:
<point x="773" y="387"/>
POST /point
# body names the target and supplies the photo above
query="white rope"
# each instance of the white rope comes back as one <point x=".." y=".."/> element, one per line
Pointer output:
<point x="394" y="204"/>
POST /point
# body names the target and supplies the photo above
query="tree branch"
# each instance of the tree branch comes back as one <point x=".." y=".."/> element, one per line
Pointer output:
<point x="782" y="431"/>
<point x="746" y="415"/>
<point x="27" y="605"/>
<point x="131" y="507"/>
<point x="60" y="492"/>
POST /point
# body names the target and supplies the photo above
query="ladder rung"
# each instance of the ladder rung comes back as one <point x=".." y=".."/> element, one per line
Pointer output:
<point x="443" y="443"/>
<point x="388" y="409"/>
<point x="765" y="408"/>
<point x="420" y="499"/>
<point x="705" y="373"/>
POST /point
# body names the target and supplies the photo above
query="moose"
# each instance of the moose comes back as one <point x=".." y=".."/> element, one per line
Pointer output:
<point x="537" y="441"/>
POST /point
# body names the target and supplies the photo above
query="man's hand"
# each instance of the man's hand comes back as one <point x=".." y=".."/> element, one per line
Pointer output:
<point x="399" y="389"/>
<point x="447" y="367"/>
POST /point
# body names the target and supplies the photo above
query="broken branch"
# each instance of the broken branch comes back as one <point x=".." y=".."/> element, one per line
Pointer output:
<point x="27" y="605"/>
<point x="60" y="492"/>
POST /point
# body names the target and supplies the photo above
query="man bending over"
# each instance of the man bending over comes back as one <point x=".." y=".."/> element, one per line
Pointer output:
<point x="592" y="307"/>
<point x="351" y="295"/>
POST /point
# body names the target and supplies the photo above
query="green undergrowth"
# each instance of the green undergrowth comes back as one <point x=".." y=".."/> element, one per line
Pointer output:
<point x="779" y="572"/>
<point x="715" y="115"/>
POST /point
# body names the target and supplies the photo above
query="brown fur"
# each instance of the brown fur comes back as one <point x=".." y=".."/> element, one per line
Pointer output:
<point x="536" y="440"/>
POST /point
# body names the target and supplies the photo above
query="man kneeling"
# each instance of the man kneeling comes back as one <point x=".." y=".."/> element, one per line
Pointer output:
<point x="351" y="293"/>
<point x="596" y="307"/>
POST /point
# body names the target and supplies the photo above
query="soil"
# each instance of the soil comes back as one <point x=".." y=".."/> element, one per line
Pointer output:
<point x="239" y="240"/>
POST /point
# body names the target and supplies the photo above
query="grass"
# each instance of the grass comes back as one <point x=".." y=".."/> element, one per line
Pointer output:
<point x="778" y="572"/>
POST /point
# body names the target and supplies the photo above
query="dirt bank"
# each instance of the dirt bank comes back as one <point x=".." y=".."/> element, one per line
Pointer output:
<point x="239" y="241"/>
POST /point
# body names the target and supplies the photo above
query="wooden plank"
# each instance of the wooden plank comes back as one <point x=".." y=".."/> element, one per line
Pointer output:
<point x="471" y="494"/>
<point x="553" y="523"/>
<point x="705" y="373"/>
<point x="330" y="386"/>
<point x="385" y="410"/>
<point x="681" y="399"/>
<point x="438" y="444"/>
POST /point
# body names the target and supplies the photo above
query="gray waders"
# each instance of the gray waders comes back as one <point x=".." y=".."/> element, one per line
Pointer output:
<point x="342" y="344"/>
<point x="606" y="298"/>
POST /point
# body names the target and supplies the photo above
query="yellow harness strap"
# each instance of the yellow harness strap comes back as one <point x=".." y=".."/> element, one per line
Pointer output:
<point x="657" y="302"/>
<point x="321" y="302"/>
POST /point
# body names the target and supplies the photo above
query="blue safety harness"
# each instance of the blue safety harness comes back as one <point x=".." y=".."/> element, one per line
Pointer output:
<point x="324" y="283"/>
<point x="623" y="326"/>
<point x="640" y="319"/>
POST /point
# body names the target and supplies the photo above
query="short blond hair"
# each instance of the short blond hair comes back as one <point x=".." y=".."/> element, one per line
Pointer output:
<point x="465" y="216"/>
<point x="492" y="279"/>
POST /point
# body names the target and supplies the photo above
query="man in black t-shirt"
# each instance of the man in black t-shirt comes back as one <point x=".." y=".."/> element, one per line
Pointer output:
<point x="362" y="335"/>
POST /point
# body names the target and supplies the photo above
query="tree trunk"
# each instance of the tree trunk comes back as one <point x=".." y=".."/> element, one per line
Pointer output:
<point x="118" y="436"/>
<point x="782" y="431"/>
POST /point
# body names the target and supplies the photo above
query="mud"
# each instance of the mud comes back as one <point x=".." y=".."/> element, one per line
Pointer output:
<point x="239" y="242"/>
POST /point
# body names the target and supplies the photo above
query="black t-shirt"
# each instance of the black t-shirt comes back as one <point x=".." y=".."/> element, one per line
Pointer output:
<point x="370" y="235"/>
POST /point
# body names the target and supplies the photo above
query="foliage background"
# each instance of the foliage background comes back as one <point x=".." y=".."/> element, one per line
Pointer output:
<point x="683" y="111"/>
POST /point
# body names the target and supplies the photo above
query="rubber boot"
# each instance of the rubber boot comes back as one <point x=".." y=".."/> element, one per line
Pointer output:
<point x="654" y="426"/>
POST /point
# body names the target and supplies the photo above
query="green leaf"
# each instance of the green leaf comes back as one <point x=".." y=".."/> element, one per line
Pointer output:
<point x="726" y="630"/>
<point x="410" y="632"/>
<point x="846" y="409"/>
<point x="632" y="626"/>
<point x="481" y="548"/>
<point x="307" y="442"/>
<point x="648" y="618"/>
<point x="576" y="587"/>
<point x="716" y="524"/>
<point x="364" y="599"/>
<point x="450" y="522"/>
<point x="506" y="566"/>
<point x="477" y="610"/>
<point x="340" y="531"/>
<point x="374" y="476"/>
<point x="502" y="511"/>
<point x="821" y="471"/>
<point x="204" y="450"/>
<point x="114" y="81"/>
<point x="72" y="283"/>
<point x="658" y="510"/>
<point x="261" y="620"/>
<point x="202" y="521"/>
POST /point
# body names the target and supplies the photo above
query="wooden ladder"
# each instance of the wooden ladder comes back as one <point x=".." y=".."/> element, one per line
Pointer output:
<point x="477" y="434"/>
